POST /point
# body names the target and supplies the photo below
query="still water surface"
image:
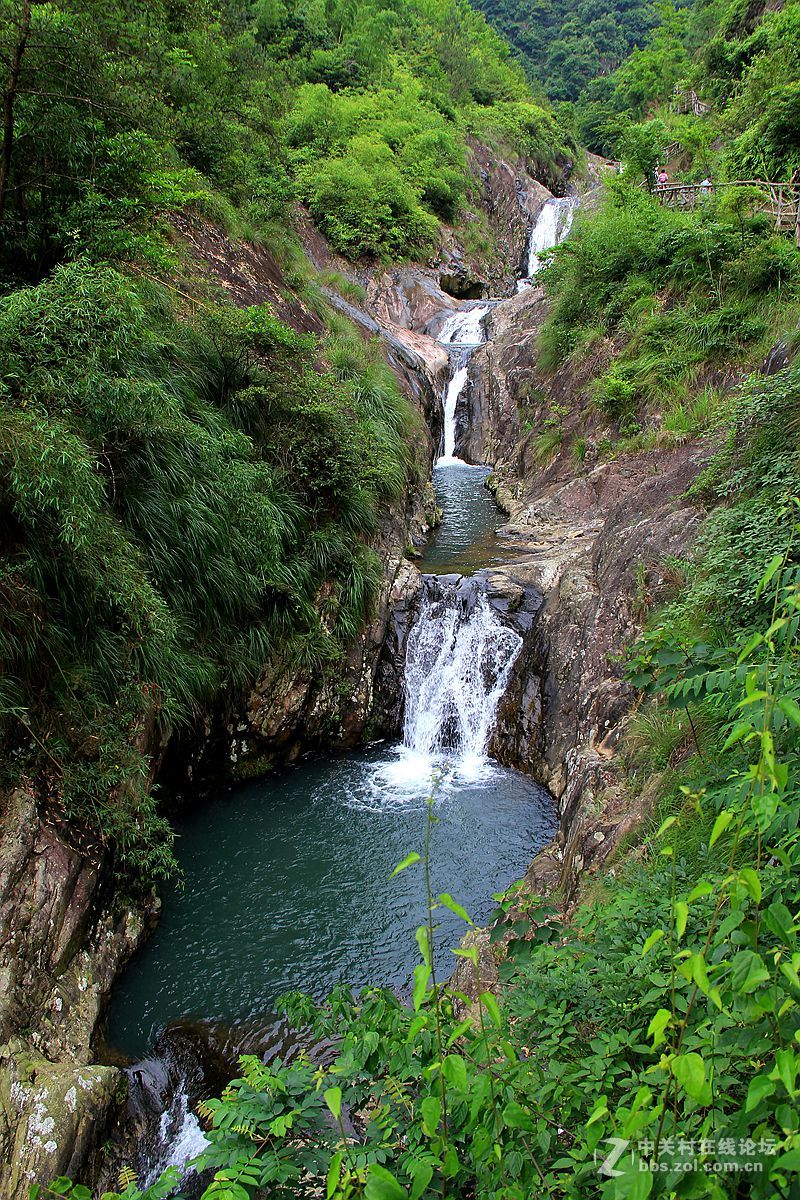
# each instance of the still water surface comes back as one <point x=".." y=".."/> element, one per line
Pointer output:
<point x="286" y="886"/>
<point x="466" y="539"/>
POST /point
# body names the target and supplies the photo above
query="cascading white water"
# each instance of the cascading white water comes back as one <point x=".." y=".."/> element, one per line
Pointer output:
<point x="550" y="228"/>
<point x="180" y="1137"/>
<point x="457" y="668"/>
<point x="459" y="657"/>
<point x="461" y="333"/>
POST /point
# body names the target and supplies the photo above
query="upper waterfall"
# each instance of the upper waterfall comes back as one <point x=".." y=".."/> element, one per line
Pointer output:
<point x="462" y="332"/>
<point x="550" y="228"/>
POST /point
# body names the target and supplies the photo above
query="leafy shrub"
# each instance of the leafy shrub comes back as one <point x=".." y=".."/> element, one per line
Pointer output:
<point x="175" y="494"/>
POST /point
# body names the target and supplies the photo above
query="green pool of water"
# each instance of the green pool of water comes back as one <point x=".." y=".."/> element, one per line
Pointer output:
<point x="286" y="885"/>
<point x="466" y="539"/>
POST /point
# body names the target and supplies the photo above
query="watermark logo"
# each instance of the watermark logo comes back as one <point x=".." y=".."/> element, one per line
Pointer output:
<point x="608" y="1166"/>
<point x="679" y="1155"/>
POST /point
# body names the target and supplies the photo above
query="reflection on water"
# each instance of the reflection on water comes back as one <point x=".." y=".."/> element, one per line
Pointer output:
<point x="287" y="887"/>
<point x="466" y="539"/>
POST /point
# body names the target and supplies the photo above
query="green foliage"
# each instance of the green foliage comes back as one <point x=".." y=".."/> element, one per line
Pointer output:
<point x="237" y="108"/>
<point x="679" y="292"/>
<point x="564" y="49"/>
<point x="548" y="441"/>
<point x="175" y="495"/>
<point x="666" y="1014"/>
<point x="163" y="1189"/>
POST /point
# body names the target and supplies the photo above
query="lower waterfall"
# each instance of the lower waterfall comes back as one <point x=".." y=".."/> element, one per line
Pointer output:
<point x="458" y="660"/>
<point x="459" y="657"/>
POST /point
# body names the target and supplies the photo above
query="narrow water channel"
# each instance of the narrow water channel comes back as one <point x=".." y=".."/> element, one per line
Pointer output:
<point x="286" y="883"/>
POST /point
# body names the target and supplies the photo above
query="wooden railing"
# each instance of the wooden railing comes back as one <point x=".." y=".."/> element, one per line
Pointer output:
<point x="781" y="201"/>
<point x="686" y="100"/>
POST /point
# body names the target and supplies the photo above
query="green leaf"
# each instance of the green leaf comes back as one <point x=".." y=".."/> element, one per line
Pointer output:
<point x="752" y="883"/>
<point x="654" y="937"/>
<point x="468" y="952"/>
<point x="334" y="1173"/>
<point x="489" y="1002"/>
<point x="690" y="1072"/>
<point x="517" y="1117"/>
<point x="382" y="1185"/>
<point x="775" y="564"/>
<point x="421" y="977"/>
<point x="408" y="861"/>
<point x="694" y="968"/>
<point x="760" y="1087"/>
<point x="454" y="1070"/>
<point x="424" y="943"/>
<point x="658" y="1025"/>
<point x="786" y="1070"/>
<point x="748" y="971"/>
<point x="790" y="707"/>
<point x="447" y="900"/>
<point x="333" y="1099"/>
<point x="681" y="917"/>
<point x="431" y="1109"/>
<point x="755" y="641"/>
<point x="451" y="1164"/>
<point x="720" y="825"/>
<point x="422" y="1175"/>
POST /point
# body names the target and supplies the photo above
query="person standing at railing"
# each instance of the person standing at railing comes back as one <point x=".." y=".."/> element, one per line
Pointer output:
<point x="706" y="187"/>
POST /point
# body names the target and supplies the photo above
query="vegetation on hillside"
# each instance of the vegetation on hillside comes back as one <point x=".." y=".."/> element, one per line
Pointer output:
<point x="742" y="61"/>
<point x="118" y="114"/>
<point x="661" y="1025"/>
<point x="564" y="49"/>
<point x="662" y="1021"/>
<point x="187" y="489"/>
<point x="670" y="303"/>
<point x="176" y="491"/>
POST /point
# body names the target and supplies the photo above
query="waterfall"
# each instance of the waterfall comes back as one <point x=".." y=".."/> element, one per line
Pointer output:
<point x="180" y="1137"/>
<point x="550" y="228"/>
<point x="462" y="332"/>
<point x="459" y="656"/>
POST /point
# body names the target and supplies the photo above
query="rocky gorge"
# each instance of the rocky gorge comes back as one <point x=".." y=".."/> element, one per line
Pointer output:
<point x="580" y="542"/>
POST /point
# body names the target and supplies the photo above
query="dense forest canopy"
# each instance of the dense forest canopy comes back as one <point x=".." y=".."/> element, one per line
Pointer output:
<point x="118" y="112"/>
<point x="564" y="47"/>
<point x="623" y="63"/>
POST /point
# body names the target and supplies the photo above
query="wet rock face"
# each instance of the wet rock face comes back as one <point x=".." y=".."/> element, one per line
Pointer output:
<point x="53" y="1116"/>
<point x="502" y="377"/>
<point x="388" y="703"/>
<point x="61" y="944"/>
<point x="590" y="544"/>
<point x="509" y="198"/>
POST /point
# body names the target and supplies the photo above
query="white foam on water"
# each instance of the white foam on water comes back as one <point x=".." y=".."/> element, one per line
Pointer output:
<point x="180" y="1136"/>
<point x="459" y="657"/>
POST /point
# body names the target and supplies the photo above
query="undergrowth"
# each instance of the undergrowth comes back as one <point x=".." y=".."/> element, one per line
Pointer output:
<point x="681" y="295"/>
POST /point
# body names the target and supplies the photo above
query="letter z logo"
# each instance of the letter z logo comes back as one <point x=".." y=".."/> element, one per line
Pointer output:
<point x="618" y="1148"/>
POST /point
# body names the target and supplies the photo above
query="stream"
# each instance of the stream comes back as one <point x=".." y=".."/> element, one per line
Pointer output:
<point x="286" y="882"/>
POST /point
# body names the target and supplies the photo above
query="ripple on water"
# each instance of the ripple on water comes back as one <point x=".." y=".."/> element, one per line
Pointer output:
<point x="466" y="539"/>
